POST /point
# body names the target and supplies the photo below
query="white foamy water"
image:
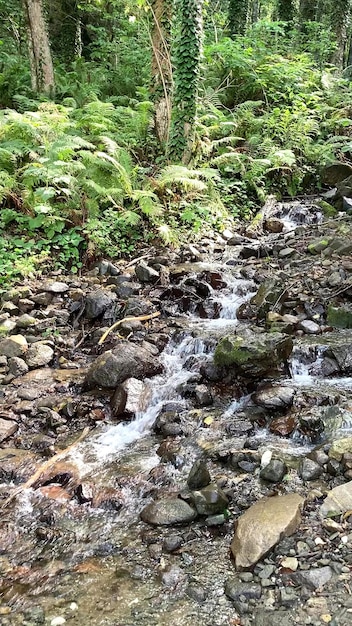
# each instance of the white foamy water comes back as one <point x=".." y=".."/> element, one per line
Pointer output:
<point x="114" y="438"/>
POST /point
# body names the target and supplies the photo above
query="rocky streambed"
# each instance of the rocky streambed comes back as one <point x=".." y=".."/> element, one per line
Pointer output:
<point x="194" y="463"/>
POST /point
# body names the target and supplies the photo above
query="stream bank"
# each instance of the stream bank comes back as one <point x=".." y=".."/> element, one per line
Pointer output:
<point x="134" y="524"/>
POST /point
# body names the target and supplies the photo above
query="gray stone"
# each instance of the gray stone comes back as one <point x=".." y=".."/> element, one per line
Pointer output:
<point x="7" y="429"/>
<point x="262" y="526"/>
<point x="98" y="302"/>
<point x="128" y="360"/>
<point x="271" y="292"/>
<point x="168" y="513"/>
<point x="17" y="366"/>
<point x="39" y="354"/>
<point x="314" y="578"/>
<point x="131" y="397"/>
<point x="145" y="273"/>
<point x="25" y="321"/>
<point x="338" y="501"/>
<point x="271" y="397"/>
<point x="234" y="589"/>
<point x="15" y="345"/>
<point x="55" y="287"/>
<point x="309" y="469"/>
<point x="199" y="475"/>
<point x="340" y="447"/>
<point x="286" y="253"/>
<point x="336" y="173"/>
<point x="210" y="500"/>
<point x="274" y="471"/>
<point x="203" y="396"/>
<point x="172" y="543"/>
<point x="309" y="327"/>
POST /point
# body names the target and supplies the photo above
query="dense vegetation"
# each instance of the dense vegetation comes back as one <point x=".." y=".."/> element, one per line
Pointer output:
<point x="157" y="121"/>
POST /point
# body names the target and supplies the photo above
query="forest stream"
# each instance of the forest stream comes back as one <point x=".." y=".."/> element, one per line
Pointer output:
<point x="175" y="427"/>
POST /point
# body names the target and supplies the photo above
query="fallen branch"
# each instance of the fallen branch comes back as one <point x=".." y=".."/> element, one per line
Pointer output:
<point x="44" y="467"/>
<point x="139" y="318"/>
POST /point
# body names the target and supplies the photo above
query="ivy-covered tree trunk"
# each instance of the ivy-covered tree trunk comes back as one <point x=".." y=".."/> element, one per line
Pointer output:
<point x="286" y="10"/>
<point x="339" y="16"/>
<point x="254" y="11"/>
<point x="237" y="11"/>
<point x="186" y="56"/>
<point x="307" y="10"/>
<point x="42" y="71"/>
<point x="161" y="67"/>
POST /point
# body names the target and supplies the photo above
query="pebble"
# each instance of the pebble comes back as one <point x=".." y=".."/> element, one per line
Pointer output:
<point x="57" y="621"/>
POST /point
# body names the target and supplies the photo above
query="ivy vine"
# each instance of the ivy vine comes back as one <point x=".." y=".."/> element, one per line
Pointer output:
<point x="186" y="59"/>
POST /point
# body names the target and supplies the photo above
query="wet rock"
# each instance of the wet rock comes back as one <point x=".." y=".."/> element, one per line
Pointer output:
<point x="130" y="398"/>
<point x="108" y="498"/>
<point x="309" y="469"/>
<point x="338" y="500"/>
<point x="17" y="465"/>
<point x="271" y="397"/>
<point x="311" y="423"/>
<point x="262" y="526"/>
<point x="339" y="317"/>
<point x="274" y="471"/>
<point x="309" y="327"/>
<point x="199" y="475"/>
<point x="202" y="396"/>
<point x="168" y="513"/>
<point x="113" y="367"/>
<point x="55" y="287"/>
<point x="210" y="500"/>
<point x="39" y="354"/>
<point x="55" y="492"/>
<point x="239" y="591"/>
<point x="16" y="345"/>
<point x="98" y="302"/>
<point x="283" y="425"/>
<point x="145" y="273"/>
<point x="340" y="447"/>
<point x="17" y="366"/>
<point x="7" y="429"/>
<point x="271" y="292"/>
<point x="253" y="354"/>
<point x="341" y="352"/>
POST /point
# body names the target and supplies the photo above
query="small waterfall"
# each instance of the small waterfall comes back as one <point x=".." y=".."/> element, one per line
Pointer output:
<point x="164" y="389"/>
<point x="115" y="438"/>
<point x="305" y="363"/>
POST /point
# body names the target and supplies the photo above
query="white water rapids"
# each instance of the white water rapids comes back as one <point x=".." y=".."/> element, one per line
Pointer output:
<point x="116" y="437"/>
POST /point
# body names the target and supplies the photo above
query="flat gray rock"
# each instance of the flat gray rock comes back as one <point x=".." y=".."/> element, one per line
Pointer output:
<point x="338" y="501"/>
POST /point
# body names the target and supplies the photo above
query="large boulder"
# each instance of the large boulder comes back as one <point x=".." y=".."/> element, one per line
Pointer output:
<point x="253" y="354"/>
<point x="262" y="526"/>
<point x="128" y="360"/>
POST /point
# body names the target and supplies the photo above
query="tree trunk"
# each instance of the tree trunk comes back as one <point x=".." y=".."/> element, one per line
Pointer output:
<point x="339" y="15"/>
<point x="286" y="10"/>
<point x="161" y="68"/>
<point x="187" y="57"/>
<point x="254" y="11"/>
<point x="237" y="12"/>
<point x="307" y="10"/>
<point x="42" y="71"/>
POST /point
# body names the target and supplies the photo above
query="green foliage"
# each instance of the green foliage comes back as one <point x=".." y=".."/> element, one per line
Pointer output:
<point x="237" y="15"/>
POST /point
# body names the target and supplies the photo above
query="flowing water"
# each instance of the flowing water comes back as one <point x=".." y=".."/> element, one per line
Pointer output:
<point x="89" y="564"/>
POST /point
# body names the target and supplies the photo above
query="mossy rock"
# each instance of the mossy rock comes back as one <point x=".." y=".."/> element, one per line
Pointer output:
<point x="339" y="317"/>
<point x="253" y="354"/>
<point x="317" y="246"/>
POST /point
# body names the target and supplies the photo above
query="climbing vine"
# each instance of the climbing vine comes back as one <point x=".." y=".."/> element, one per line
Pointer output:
<point x="186" y="58"/>
<point x="237" y="13"/>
